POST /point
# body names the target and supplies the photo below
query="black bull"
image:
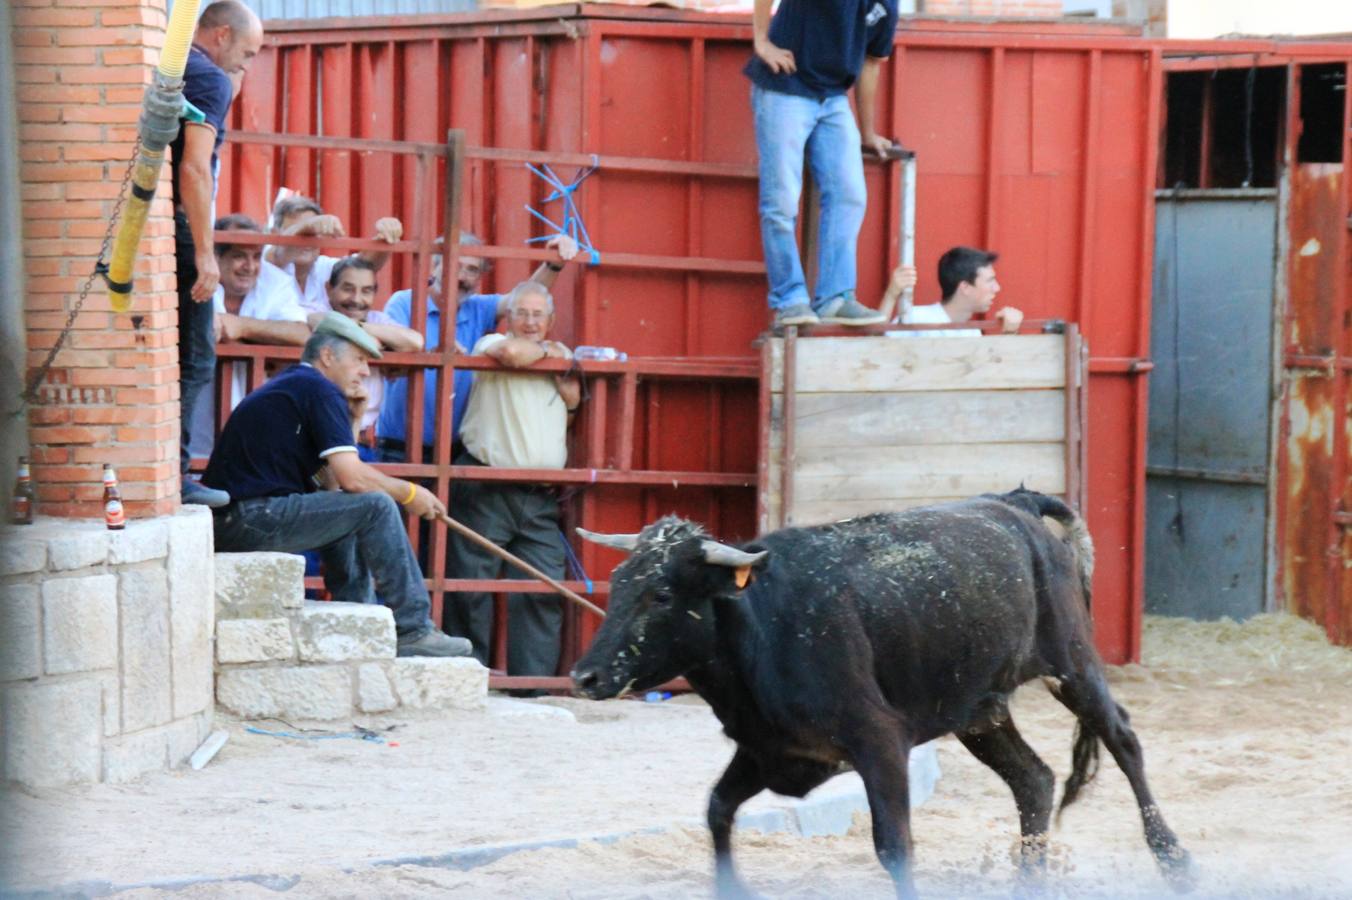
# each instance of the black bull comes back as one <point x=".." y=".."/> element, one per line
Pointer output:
<point x="851" y="643"/>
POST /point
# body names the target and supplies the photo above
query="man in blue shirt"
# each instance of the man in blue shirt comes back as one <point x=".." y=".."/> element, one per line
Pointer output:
<point x="227" y="38"/>
<point x="294" y="435"/>
<point x="475" y="316"/>
<point x="807" y="58"/>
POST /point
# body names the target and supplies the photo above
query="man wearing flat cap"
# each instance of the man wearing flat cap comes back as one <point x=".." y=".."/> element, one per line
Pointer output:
<point x="269" y="458"/>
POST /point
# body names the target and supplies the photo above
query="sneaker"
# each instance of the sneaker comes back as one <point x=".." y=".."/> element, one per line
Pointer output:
<point x="431" y="642"/>
<point x="845" y="310"/>
<point x="199" y="494"/>
<point x="797" y="314"/>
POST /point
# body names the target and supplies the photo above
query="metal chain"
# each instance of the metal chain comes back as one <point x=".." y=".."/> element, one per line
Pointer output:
<point x="100" y="268"/>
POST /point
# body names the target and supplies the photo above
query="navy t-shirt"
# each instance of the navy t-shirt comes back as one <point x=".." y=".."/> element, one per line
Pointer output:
<point x="829" y="39"/>
<point x="207" y="87"/>
<point x="279" y="436"/>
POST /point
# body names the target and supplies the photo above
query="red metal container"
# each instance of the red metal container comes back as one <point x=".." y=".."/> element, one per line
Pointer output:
<point x="1036" y="140"/>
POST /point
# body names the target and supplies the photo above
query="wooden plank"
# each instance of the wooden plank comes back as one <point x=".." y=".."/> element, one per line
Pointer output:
<point x="821" y="511"/>
<point x="992" y="362"/>
<point x="818" y="512"/>
<point x="939" y="470"/>
<point x="903" y="419"/>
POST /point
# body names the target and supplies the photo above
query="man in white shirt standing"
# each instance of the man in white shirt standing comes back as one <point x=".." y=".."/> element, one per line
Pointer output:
<point x="255" y="304"/>
<point x="969" y="286"/>
<point x="516" y="419"/>
<point x="299" y="215"/>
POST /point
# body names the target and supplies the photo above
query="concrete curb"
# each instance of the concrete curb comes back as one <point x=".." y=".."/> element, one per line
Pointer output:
<point x="828" y="811"/>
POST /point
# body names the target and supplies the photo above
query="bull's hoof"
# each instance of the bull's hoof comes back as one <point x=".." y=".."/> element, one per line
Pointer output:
<point x="1179" y="872"/>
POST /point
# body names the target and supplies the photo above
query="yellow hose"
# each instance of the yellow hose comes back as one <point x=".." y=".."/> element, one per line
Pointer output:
<point x="178" y="39"/>
<point x="159" y="124"/>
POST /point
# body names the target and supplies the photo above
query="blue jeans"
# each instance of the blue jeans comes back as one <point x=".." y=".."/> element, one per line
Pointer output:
<point x="787" y="126"/>
<point x="196" y="340"/>
<point x="360" y="537"/>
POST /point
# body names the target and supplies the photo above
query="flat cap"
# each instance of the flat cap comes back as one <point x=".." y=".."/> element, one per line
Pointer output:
<point x="340" y="325"/>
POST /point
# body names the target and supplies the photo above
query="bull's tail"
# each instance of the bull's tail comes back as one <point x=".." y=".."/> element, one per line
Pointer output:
<point x="1077" y="537"/>
<point x="1084" y="758"/>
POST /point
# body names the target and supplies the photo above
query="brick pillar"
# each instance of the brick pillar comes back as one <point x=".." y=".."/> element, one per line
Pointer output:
<point x="112" y="394"/>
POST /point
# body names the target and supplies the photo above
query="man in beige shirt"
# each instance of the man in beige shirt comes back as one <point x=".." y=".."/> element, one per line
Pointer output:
<point x="515" y="419"/>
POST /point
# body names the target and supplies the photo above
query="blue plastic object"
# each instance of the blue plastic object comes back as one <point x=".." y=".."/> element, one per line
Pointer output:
<point x="572" y="221"/>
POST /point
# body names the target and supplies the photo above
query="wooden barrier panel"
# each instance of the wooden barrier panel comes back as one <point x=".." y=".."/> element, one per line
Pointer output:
<point x="885" y="423"/>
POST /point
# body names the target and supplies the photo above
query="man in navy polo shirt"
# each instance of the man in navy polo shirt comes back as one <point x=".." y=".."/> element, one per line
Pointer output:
<point x="475" y="316"/>
<point x="227" y="38"/>
<point x="293" y="435"/>
<point x="807" y="58"/>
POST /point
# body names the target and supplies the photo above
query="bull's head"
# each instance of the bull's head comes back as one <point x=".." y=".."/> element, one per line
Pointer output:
<point x="662" y="612"/>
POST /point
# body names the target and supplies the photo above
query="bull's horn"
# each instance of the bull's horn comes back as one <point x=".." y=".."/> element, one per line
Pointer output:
<point x="722" y="555"/>
<point x="625" y="542"/>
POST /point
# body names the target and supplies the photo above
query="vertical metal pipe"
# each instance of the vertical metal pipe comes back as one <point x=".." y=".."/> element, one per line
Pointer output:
<point x="764" y="403"/>
<point x="790" y="452"/>
<point x="909" y="180"/>
<point x="1136" y="602"/>
<point x="694" y="319"/>
<point x="1072" y="435"/>
<point x="13" y="343"/>
<point x="1204" y="145"/>
<point x="993" y="135"/>
<point x="1089" y="159"/>
<point x="628" y="404"/>
<point x="450" y="258"/>
<point x="1342" y="348"/>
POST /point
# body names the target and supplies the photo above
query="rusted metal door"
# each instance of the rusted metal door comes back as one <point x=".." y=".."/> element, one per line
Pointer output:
<point x="1314" y="491"/>
<point x="1210" y="403"/>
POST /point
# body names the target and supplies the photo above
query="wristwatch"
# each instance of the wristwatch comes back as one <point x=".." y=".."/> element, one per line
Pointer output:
<point x="553" y="266"/>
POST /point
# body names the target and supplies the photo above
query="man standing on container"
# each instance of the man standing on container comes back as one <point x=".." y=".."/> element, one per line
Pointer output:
<point x="227" y="38"/>
<point x="807" y="58"/>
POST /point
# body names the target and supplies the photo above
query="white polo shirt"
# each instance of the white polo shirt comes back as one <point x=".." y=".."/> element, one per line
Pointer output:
<point x="314" y="297"/>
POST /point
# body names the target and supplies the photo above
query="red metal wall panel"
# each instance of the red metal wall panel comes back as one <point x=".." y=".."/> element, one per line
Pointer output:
<point x="1038" y="145"/>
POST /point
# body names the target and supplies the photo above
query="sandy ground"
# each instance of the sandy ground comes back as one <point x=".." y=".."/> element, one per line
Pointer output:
<point x="1247" y="731"/>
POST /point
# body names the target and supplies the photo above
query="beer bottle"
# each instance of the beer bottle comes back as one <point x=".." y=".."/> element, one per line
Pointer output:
<point x="113" y="516"/>
<point x="21" y="509"/>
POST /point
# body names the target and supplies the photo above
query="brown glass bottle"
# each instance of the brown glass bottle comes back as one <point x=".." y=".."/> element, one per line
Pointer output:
<point x="21" y="507"/>
<point x="113" y="515"/>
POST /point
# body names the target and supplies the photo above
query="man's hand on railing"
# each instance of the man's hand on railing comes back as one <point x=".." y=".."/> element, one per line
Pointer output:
<point x="389" y="229"/>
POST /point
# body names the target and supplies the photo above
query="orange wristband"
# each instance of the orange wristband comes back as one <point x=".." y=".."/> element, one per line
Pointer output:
<point x="412" y="492"/>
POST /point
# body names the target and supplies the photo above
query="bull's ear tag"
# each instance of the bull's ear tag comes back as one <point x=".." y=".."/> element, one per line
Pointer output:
<point x="742" y="575"/>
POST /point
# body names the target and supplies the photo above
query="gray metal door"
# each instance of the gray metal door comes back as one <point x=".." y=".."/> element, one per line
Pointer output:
<point x="1210" y="403"/>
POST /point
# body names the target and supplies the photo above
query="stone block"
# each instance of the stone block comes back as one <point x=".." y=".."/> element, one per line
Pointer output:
<point x="192" y="607"/>
<point x="19" y="555"/>
<point x="111" y="685"/>
<point x="373" y="689"/>
<point x="337" y="632"/>
<point x="20" y="656"/>
<point x="77" y="545"/>
<point x="182" y="738"/>
<point x="253" y="640"/>
<point x="139" y="541"/>
<point x="130" y="756"/>
<point x="291" y="692"/>
<point x="440" y="683"/>
<point x="258" y="585"/>
<point x="143" y="613"/>
<point x="79" y="623"/>
<point x="52" y="732"/>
